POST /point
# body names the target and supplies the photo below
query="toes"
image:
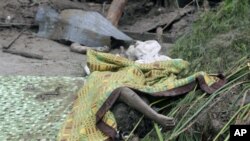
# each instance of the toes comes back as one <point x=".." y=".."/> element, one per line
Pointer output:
<point x="170" y="124"/>
<point x="170" y="121"/>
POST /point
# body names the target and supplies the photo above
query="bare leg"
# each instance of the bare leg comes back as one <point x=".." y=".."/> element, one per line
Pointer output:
<point x="129" y="97"/>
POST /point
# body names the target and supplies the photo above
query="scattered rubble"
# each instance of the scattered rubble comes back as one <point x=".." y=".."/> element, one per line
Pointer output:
<point x="164" y="20"/>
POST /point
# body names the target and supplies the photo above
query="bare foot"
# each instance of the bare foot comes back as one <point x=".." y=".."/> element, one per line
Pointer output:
<point x="165" y="122"/>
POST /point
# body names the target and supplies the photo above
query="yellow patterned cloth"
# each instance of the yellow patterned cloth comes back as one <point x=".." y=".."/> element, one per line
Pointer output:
<point x="110" y="72"/>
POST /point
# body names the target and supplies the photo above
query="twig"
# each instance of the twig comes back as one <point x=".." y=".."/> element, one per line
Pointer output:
<point x="16" y="24"/>
<point x="177" y="16"/>
<point x="13" y="41"/>
<point x="198" y="6"/>
<point x="24" y="54"/>
<point x="188" y="4"/>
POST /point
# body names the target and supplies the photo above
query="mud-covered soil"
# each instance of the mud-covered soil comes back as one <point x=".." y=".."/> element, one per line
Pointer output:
<point x="58" y="60"/>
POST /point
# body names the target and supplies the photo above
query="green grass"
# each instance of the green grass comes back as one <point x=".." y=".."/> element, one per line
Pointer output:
<point x="191" y="110"/>
<point x="218" y="38"/>
<point x="219" y="42"/>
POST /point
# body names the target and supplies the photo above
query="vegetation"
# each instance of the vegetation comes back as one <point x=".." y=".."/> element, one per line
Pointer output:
<point x="219" y="42"/>
<point x="218" y="39"/>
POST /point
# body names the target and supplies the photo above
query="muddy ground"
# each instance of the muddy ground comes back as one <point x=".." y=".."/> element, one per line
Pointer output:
<point x="58" y="60"/>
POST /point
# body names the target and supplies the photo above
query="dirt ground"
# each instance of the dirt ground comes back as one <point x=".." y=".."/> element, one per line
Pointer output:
<point x="58" y="60"/>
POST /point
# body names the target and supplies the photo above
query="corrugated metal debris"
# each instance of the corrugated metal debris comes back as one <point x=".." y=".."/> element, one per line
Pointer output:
<point x="84" y="27"/>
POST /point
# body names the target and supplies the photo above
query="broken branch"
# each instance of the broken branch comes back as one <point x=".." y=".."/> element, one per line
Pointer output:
<point x="24" y="54"/>
<point x="14" y="40"/>
<point x="115" y="11"/>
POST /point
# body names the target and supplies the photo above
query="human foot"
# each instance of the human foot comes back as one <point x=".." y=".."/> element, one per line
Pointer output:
<point x="166" y="122"/>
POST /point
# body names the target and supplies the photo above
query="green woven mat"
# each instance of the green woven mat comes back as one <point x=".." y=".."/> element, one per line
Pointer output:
<point x="33" y="107"/>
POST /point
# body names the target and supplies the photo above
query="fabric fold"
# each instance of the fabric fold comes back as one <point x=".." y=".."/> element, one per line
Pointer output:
<point x="91" y="119"/>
